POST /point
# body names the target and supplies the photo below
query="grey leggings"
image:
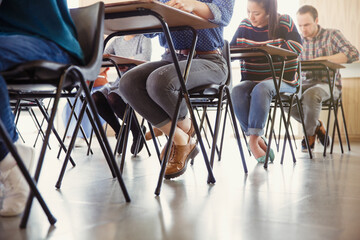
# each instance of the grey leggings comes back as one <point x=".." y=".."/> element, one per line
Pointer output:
<point x="311" y="100"/>
<point x="152" y="88"/>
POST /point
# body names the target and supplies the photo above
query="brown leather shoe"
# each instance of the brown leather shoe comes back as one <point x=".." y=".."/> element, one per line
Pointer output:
<point x="157" y="133"/>
<point x="311" y="140"/>
<point x="191" y="133"/>
<point x="321" y="134"/>
<point x="179" y="158"/>
<point x="163" y="151"/>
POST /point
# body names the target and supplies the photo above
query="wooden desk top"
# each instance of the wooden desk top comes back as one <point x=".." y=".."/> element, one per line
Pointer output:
<point x="172" y="16"/>
<point x="121" y="60"/>
<point x="316" y="64"/>
<point x="255" y="51"/>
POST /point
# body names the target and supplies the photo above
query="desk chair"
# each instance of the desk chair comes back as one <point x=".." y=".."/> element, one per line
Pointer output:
<point x="213" y="95"/>
<point x="25" y="77"/>
<point x="288" y="102"/>
<point x="331" y="104"/>
<point x="115" y="61"/>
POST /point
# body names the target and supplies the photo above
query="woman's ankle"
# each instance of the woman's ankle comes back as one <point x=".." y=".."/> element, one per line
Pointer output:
<point x="262" y="144"/>
<point x="184" y="125"/>
<point x="181" y="138"/>
<point x="255" y="148"/>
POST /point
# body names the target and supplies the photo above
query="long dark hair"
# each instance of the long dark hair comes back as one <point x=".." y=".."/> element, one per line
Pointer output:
<point x="270" y="7"/>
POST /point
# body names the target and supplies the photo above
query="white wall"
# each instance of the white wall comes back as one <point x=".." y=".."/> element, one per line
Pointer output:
<point x="73" y="3"/>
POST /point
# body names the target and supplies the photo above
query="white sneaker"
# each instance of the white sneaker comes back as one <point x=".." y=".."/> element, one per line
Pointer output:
<point x="80" y="142"/>
<point x="16" y="189"/>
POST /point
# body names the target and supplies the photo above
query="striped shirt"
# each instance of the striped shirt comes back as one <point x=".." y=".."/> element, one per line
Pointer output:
<point x="208" y="39"/>
<point x="287" y="37"/>
<point x="326" y="43"/>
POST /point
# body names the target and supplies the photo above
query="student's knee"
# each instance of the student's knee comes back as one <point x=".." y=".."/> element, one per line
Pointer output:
<point x="240" y="92"/>
<point x="126" y="86"/>
<point x="311" y="97"/>
<point x="158" y="84"/>
<point x="263" y="90"/>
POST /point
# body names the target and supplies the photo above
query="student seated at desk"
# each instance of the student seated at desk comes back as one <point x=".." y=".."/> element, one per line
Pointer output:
<point x="252" y="97"/>
<point x="322" y="44"/>
<point x="35" y="36"/>
<point x="108" y="99"/>
<point x="152" y="89"/>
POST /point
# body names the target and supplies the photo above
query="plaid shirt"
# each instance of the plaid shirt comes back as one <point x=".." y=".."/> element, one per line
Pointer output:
<point x="327" y="42"/>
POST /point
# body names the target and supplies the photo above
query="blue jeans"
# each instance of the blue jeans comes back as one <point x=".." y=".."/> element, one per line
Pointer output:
<point x="17" y="49"/>
<point x="252" y="103"/>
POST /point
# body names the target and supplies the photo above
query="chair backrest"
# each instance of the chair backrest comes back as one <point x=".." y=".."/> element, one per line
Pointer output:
<point x="89" y="23"/>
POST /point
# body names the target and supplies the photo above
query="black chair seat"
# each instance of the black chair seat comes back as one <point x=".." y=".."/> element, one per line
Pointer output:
<point x="210" y="89"/>
<point x="30" y="73"/>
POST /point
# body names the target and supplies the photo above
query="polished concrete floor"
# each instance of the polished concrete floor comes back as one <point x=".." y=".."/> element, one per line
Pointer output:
<point x="316" y="199"/>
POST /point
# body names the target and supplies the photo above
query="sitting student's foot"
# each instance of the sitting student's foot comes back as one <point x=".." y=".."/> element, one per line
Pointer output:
<point x="79" y="142"/>
<point x="16" y="189"/>
<point x="311" y="141"/>
<point x="179" y="158"/>
<point x="157" y="133"/>
<point x="137" y="137"/>
<point x="264" y="145"/>
<point x="257" y="151"/>
<point x="321" y="134"/>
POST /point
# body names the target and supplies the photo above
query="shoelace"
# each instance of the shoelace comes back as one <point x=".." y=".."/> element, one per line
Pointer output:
<point x="172" y="156"/>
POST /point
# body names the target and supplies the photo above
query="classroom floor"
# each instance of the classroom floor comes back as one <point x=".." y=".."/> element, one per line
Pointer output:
<point x="313" y="199"/>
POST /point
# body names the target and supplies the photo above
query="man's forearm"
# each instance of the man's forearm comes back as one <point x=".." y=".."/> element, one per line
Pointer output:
<point x="336" y="58"/>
